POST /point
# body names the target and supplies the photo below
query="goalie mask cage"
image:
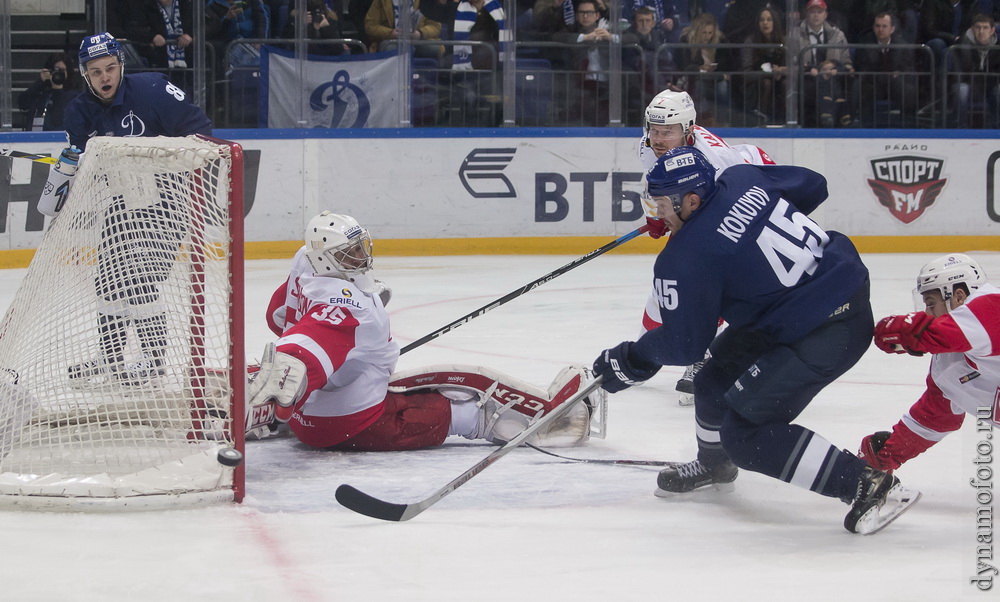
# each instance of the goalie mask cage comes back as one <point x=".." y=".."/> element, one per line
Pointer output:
<point x="121" y="356"/>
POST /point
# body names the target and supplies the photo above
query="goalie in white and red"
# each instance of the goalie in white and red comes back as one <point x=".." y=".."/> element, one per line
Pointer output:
<point x="329" y="375"/>
<point x="960" y="328"/>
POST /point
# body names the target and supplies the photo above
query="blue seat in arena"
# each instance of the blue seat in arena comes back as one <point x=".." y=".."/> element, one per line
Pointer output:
<point x="424" y="91"/>
<point x="534" y="92"/>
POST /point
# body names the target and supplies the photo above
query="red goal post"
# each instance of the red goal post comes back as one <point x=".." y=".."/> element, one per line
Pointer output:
<point x="121" y="356"/>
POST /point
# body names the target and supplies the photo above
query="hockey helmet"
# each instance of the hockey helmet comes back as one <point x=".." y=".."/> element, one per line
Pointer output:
<point x="336" y="245"/>
<point x="669" y="107"/>
<point x="944" y="273"/>
<point x="94" y="47"/>
<point x="680" y="171"/>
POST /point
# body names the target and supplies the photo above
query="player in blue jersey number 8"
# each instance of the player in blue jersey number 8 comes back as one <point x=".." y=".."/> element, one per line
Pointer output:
<point x="796" y="299"/>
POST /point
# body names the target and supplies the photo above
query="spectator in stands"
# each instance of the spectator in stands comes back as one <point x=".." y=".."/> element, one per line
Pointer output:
<point x="832" y="103"/>
<point x="666" y="17"/>
<point x="701" y="64"/>
<point x="160" y="31"/>
<point x="977" y="60"/>
<point x="321" y="23"/>
<point x="44" y="102"/>
<point x="553" y="16"/>
<point x="479" y="21"/>
<point x="885" y="92"/>
<point x="228" y="20"/>
<point x="943" y="23"/>
<point x="742" y="15"/>
<point x="765" y="88"/>
<point x="587" y="85"/>
<point x="381" y="25"/>
<point x="815" y="30"/>
<point x="231" y="20"/>
<point x="647" y="68"/>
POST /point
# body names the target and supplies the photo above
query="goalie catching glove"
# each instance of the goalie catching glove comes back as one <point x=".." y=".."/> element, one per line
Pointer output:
<point x="901" y="334"/>
<point x="57" y="188"/>
<point x="281" y="378"/>
<point x="620" y="371"/>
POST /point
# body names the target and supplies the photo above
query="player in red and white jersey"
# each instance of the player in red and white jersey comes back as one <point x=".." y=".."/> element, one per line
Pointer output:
<point x="960" y="327"/>
<point x="330" y="375"/>
<point x="669" y="124"/>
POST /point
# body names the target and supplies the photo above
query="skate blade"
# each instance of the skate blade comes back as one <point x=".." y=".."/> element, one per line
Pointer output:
<point x="720" y="487"/>
<point x="685" y="399"/>
<point x="876" y="519"/>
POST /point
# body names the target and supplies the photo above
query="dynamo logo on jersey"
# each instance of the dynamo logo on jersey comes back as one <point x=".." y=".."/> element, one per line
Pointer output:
<point x="482" y="174"/>
<point x="907" y="185"/>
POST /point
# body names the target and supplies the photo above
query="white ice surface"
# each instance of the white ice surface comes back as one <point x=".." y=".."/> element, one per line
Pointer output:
<point x="530" y="527"/>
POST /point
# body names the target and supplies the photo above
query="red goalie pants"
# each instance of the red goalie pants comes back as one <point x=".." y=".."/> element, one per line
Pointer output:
<point x="408" y="421"/>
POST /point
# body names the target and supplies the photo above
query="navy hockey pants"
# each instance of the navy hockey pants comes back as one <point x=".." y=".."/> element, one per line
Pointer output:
<point x="751" y="389"/>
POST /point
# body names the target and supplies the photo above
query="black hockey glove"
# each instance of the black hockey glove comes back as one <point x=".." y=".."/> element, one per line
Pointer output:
<point x="619" y="371"/>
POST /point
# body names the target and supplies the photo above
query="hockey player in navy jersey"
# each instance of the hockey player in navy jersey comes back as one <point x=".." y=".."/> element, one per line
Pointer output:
<point x="129" y="272"/>
<point x="796" y="299"/>
<point x="136" y="104"/>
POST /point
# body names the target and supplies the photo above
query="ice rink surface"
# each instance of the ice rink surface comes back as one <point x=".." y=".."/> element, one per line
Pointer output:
<point x="531" y="527"/>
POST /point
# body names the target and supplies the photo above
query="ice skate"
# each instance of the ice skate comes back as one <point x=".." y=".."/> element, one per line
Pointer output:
<point x="683" y="478"/>
<point x="880" y="499"/>
<point x="685" y="386"/>
<point x="140" y="372"/>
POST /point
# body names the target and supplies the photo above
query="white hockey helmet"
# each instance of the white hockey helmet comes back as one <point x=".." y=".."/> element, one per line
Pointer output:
<point x="669" y="107"/>
<point x="336" y="245"/>
<point x="944" y="273"/>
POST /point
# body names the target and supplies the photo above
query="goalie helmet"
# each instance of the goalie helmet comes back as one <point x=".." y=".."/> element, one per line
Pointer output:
<point x="944" y="273"/>
<point x="95" y="47"/>
<point x="669" y="107"/>
<point x="678" y="172"/>
<point x="336" y="245"/>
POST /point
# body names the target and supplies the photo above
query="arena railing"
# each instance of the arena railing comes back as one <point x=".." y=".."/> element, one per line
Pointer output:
<point x="870" y="99"/>
<point x="969" y="99"/>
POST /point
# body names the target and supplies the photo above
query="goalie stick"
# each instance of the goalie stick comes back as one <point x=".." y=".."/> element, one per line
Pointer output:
<point x="524" y="289"/>
<point x="7" y="152"/>
<point x="659" y="463"/>
<point x="362" y="503"/>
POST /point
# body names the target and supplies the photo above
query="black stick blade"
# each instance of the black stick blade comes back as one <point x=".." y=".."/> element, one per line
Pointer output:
<point x="362" y="503"/>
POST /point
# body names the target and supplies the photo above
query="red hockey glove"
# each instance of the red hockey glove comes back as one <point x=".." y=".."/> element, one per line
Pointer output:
<point x="657" y="227"/>
<point x="869" y="452"/>
<point x="901" y="334"/>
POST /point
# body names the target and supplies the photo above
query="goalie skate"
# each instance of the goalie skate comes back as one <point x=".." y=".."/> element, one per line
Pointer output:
<point x="880" y="500"/>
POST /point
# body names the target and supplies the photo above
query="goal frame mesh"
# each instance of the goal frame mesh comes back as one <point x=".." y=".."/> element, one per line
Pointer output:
<point x="140" y="433"/>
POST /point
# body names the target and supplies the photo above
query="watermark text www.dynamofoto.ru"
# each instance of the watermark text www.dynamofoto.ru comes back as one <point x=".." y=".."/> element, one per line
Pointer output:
<point x="983" y="485"/>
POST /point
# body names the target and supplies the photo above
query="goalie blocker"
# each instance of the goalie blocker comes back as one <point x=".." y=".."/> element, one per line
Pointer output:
<point x="424" y="406"/>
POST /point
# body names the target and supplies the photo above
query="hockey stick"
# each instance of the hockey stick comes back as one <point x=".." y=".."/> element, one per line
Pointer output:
<point x="362" y="503"/>
<point x="601" y="461"/>
<point x="524" y="289"/>
<point x="6" y="152"/>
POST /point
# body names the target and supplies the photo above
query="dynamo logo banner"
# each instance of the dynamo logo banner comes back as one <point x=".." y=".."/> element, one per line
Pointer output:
<point x="337" y="92"/>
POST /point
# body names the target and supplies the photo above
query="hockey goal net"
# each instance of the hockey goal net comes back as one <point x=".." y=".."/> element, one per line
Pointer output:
<point x="121" y="354"/>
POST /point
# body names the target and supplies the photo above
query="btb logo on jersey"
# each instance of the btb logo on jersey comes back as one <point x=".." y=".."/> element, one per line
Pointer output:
<point x="906" y="185"/>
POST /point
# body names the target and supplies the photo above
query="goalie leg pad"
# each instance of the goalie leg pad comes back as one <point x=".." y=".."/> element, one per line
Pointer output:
<point x="507" y="405"/>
